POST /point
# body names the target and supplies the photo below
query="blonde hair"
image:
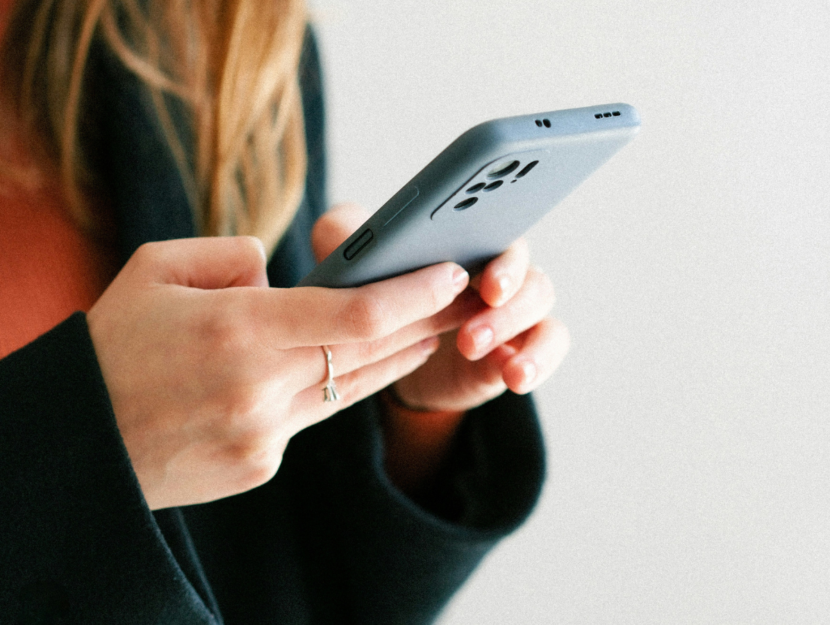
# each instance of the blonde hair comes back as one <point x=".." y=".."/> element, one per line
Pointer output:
<point x="233" y="63"/>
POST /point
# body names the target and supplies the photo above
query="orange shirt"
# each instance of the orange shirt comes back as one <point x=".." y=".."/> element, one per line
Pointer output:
<point x="48" y="267"/>
<point x="5" y="7"/>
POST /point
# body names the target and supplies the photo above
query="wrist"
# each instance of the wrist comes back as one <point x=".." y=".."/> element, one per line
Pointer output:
<point x="416" y="441"/>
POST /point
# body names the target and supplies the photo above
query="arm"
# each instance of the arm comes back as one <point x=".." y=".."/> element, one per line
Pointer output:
<point x="76" y="537"/>
<point x="94" y="430"/>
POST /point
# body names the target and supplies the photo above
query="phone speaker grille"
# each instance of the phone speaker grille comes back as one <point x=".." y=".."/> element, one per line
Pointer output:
<point x="608" y="114"/>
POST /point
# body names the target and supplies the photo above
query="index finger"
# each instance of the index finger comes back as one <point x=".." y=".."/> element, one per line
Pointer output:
<point x="323" y="316"/>
<point x="504" y="275"/>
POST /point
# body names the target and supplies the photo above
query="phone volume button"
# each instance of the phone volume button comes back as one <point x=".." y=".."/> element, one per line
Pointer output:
<point x="359" y="243"/>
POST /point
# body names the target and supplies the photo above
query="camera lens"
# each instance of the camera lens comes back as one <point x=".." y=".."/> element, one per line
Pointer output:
<point x="527" y="169"/>
<point x="465" y="204"/>
<point x="476" y="188"/>
<point x="502" y="169"/>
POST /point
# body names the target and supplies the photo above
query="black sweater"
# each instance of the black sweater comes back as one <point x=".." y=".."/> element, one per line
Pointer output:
<point x="328" y="540"/>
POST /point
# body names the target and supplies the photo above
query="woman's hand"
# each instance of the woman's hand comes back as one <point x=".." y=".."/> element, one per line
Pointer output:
<point x="510" y="342"/>
<point x="210" y="372"/>
<point x="507" y="340"/>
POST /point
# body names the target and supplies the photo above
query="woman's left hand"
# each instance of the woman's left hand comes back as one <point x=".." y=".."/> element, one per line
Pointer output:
<point x="508" y="341"/>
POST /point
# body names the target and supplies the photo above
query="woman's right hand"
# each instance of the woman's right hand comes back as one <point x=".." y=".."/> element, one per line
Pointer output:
<point x="210" y="372"/>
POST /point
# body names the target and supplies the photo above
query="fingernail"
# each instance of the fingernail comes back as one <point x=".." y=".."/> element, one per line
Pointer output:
<point x="505" y="284"/>
<point x="430" y="346"/>
<point x="460" y="278"/>
<point x="508" y="351"/>
<point x="482" y="338"/>
<point x="528" y="372"/>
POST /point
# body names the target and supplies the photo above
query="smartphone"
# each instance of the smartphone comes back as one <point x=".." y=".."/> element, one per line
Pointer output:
<point x="480" y="194"/>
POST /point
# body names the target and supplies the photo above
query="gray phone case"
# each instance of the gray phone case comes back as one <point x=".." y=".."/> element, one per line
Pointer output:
<point x="480" y="194"/>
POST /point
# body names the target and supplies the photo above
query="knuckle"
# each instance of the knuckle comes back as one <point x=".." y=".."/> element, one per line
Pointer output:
<point x="220" y="335"/>
<point x="247" y="450"/>
<point x="367" y="318"/>
<point x="223" y="331"/>
<point x="256" y="459"/>
<point x="242" y="404"/>
<point x="240" y="410"/>
<point x="148" y="254"/>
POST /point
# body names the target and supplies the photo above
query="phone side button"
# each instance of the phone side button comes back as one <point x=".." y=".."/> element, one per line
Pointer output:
<point x="361" y="242"/>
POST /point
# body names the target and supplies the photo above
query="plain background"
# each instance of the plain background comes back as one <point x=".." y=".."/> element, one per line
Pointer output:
<point x="688" y="430"/>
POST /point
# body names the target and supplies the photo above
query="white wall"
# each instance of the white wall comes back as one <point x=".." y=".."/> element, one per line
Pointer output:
<point x="689" y="429"/>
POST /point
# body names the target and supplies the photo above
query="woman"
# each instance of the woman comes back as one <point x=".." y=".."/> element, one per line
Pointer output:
<point x="147" y="474"/>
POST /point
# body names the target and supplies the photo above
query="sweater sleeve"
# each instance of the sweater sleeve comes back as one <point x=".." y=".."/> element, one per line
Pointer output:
<point x="356" y="549"/>
<point x="77" y="541"/>
<point x="331" y="540"/>
<point x="404" y="561"/>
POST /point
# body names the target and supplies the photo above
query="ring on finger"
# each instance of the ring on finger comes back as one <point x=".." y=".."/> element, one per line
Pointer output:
<point x="330" y="389"/>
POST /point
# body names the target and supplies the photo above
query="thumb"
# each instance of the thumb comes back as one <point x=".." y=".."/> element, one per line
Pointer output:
<point x="206" y="262"/>
<point x="335" y="226"/>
